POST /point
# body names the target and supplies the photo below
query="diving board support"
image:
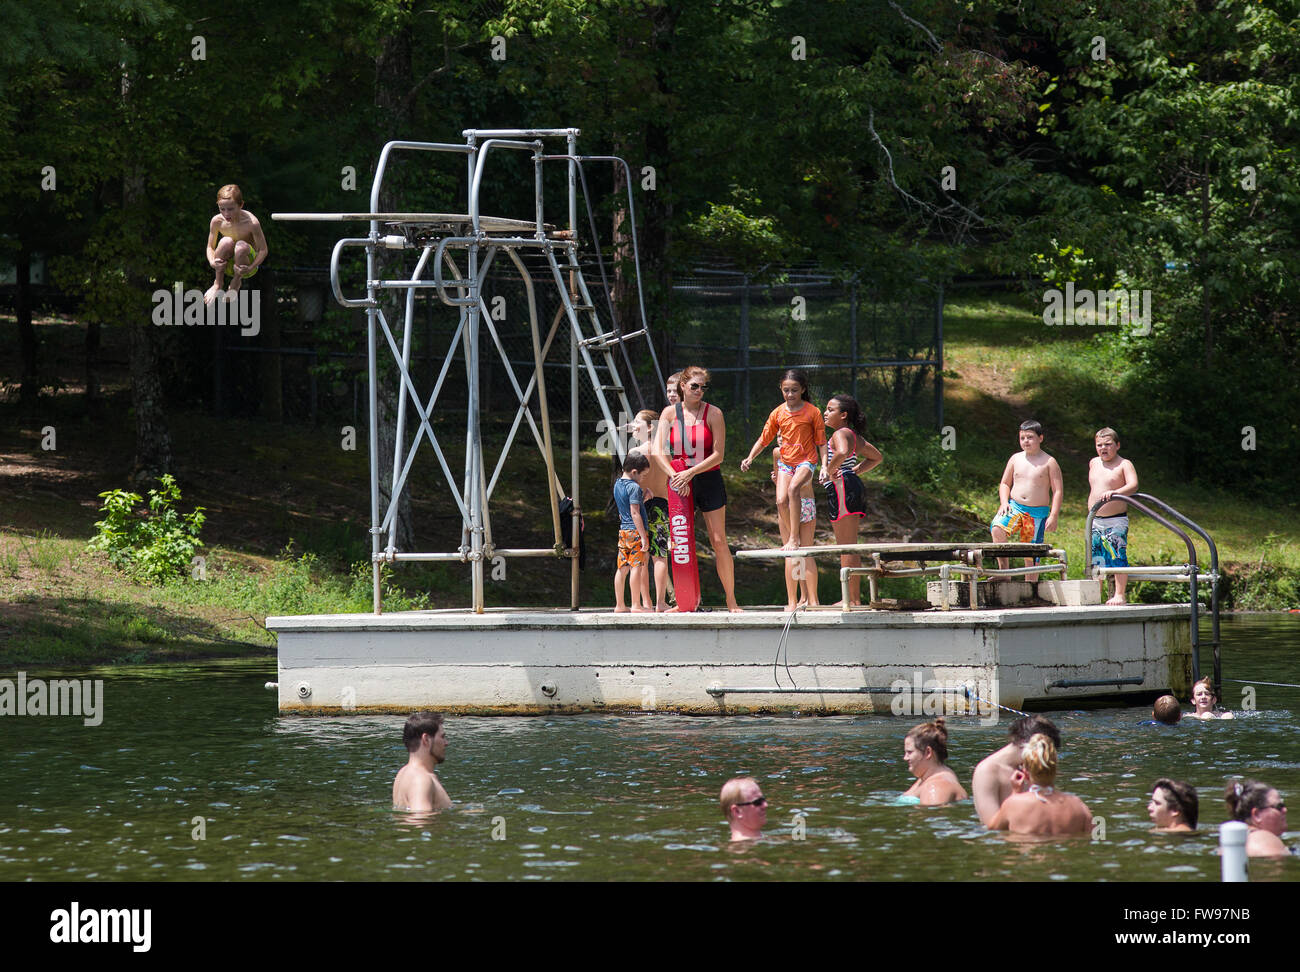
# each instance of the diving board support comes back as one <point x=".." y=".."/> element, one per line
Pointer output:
<point x="436" y="235"/>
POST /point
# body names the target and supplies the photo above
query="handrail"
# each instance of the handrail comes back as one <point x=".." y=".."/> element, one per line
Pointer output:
<point x="1214" y="584"/>
<point x="1193" y="574"/>
<point x="480" y="159"/>
<point x="335" y="284"/>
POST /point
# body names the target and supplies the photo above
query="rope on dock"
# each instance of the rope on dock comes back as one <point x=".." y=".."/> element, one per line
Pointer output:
<point x="972" y="695"/>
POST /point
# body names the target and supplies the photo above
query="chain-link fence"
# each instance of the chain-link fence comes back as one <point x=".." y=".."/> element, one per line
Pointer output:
<point x="883" y="348"/>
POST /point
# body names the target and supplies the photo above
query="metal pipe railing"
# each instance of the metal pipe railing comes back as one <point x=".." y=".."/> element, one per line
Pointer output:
<point x="1192" y="571"/>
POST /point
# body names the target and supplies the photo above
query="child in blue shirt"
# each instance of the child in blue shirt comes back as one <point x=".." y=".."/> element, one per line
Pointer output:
<point x="632" y="539"/>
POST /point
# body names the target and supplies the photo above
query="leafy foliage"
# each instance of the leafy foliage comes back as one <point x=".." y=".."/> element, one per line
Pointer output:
<point x="151" y="545"/>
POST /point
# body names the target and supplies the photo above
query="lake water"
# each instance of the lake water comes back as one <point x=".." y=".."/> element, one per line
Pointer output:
<point x="594" y="797"/>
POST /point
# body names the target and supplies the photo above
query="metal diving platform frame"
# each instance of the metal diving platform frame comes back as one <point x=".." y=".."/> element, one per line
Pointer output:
<point x="480" y="239"/>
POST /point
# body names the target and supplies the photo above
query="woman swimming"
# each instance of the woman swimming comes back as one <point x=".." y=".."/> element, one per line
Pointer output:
<point x="1174" y="806"/>
<point x="1263" y="809"/>
<point x="1039" y="808"/>
<point x="925" y="750"/>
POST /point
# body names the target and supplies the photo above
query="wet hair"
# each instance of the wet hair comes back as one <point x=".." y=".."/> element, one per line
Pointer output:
<point x="853" y="412"/>
<point x="732" y="791"/>
<point x="1243" y="796"/>
<point x="230" y="191"/>
<point x="1039" y="757"/>
<point x="1167" y="710"/>
<point x="1107" y="433"/>
<point x="1024" y="729"/>
<point x="1029" y="425"/>
<point x="1181" y="797"/>
<point x="795" y="374"/>
<point x="417" y="725"/>
<point x="932" y="734"/>
<point x="647" y="415"/>
<point x="1209" y="687"/>
<point x="636" y="462"/>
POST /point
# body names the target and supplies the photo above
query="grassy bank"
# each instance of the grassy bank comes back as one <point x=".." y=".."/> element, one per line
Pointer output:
<point x="286" y="506"/>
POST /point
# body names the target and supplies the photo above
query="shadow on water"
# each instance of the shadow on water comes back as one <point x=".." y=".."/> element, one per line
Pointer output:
<point x="193" y="775"/>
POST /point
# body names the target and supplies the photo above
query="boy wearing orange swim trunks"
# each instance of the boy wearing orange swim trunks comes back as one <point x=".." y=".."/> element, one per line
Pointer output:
<point x="1029" y="494"/>
<point x="633" y="541"/>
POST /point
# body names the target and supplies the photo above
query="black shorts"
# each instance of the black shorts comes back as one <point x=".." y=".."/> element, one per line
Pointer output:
<point x="708" y="491"/>
<point x="656" y="513"/>
<point x="846" y="496"/>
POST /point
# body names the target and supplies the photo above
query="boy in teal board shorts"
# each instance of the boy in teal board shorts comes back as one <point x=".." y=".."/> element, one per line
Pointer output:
<point x="1029" y="494"/>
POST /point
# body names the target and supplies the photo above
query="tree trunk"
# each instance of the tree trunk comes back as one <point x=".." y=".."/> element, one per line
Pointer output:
<point x="1206" y="317"/>
<point x="650" y="146"/>
<point x="94" y="401"/>
<point x="153" y="441"/>
<point x="393" y="81"/>
<point x="30" y="388"/>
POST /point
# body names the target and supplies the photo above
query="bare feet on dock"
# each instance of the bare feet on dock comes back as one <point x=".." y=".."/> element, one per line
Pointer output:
<point x="213" y="292"/>
<point x="791" y="544"/>
<point x="643" y="610"/>
<point x="1117" y="600"/>
<point x="621" y="610"/>
<point x="734" y="608"/>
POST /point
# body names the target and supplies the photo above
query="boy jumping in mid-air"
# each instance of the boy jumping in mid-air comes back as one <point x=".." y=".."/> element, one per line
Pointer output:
<point x="1108" y="476"/>
<point x="1029" y="493"/>
<point x="632" y="540"/>
<point x="244" y="247"/>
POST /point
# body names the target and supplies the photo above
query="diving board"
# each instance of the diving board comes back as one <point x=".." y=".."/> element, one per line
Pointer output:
<point x="489" y="224"/>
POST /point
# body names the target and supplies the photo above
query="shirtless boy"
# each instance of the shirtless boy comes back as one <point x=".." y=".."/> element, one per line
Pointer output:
<point x="1108" y="476"/>
<point x="416" y="786"/>
<point x="242" y="250"/>
<point x="1029" y="494"/>
<point x="995" y="776"/>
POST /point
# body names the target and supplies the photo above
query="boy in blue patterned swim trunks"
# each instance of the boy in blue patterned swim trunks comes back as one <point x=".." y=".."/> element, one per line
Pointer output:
<point x="1108" y="476"/>
<point x="1029" y="494"/>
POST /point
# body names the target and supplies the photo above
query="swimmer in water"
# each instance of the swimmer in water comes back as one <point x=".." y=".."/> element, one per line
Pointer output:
<point x="744" y="807"/>
<point x="1173" y="807"/>
<point x="1204" y="699"/>
<point x="992" y="782"/>
<point x="416" y="786"/>
<point x="1263" y="809"/>
<point x="1167" y="710"/>
<point x="1041" y="810"/>
<point x="925" y="750"/>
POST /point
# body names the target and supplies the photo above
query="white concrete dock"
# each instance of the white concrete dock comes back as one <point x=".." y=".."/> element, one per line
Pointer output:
<point x="526" y="662"/>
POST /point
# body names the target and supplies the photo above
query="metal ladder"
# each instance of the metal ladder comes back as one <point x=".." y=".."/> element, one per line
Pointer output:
<point x="595" y="348"/>
<point x="1189" y="574"/>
